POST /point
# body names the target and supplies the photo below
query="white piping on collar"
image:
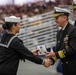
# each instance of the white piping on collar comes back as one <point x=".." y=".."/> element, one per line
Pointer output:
<point x="4" y="45"/>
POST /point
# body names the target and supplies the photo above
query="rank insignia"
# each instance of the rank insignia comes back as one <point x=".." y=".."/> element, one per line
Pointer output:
<point x="66" y="41"/>
<point x="66" y="38"/>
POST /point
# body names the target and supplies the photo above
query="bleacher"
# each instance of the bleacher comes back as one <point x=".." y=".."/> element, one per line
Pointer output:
<point x="39" y="30"/>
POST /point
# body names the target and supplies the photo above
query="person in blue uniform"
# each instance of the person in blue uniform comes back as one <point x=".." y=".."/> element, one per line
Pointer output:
<point x="66" y="42"/>
<point x="12" y="49"/>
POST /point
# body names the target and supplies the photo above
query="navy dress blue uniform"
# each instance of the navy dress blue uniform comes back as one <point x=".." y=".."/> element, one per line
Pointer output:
<point x="67" y="42"/>
<point x="9" y="58"/>
<point x="66" y="45"/>
<point x="14" y="53"/>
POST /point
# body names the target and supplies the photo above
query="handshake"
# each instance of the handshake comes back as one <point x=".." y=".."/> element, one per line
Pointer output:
<point x="47" y="61"/>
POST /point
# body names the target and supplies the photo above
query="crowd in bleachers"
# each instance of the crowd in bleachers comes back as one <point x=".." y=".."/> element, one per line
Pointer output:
<point x="31" y="9"/>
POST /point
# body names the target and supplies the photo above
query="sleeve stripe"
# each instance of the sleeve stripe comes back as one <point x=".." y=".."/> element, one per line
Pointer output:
<point x="61" y="54"/>
<point x="54" y="58"/>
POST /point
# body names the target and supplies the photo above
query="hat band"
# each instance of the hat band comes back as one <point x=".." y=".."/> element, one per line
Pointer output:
<point x="58" y="14"/>
<point x="74" y="7"/>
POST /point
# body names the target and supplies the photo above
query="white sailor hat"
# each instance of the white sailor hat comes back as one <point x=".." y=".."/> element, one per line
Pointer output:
<point x="61" y="11"/>
<point x="12" y="19"/>
<point x="74" y="4"/>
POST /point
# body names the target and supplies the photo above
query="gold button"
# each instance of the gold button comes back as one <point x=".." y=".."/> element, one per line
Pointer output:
<point x="66" y="62"/>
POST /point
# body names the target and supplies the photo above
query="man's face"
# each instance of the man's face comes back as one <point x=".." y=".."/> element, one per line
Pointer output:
<point x="74" y="12"/>
<point x="59" y="20"/>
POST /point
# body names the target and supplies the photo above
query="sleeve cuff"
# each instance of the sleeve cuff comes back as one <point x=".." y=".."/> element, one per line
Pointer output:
<point x="60" y="54"/>
<point x="53" y="60"/>
<point x="43" y="62"/>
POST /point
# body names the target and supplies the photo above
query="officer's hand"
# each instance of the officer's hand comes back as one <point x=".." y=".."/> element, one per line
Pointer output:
<point x="50" y="54"/>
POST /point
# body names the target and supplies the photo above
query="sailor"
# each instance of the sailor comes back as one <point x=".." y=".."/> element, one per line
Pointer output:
<point x="12" y="49"/>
